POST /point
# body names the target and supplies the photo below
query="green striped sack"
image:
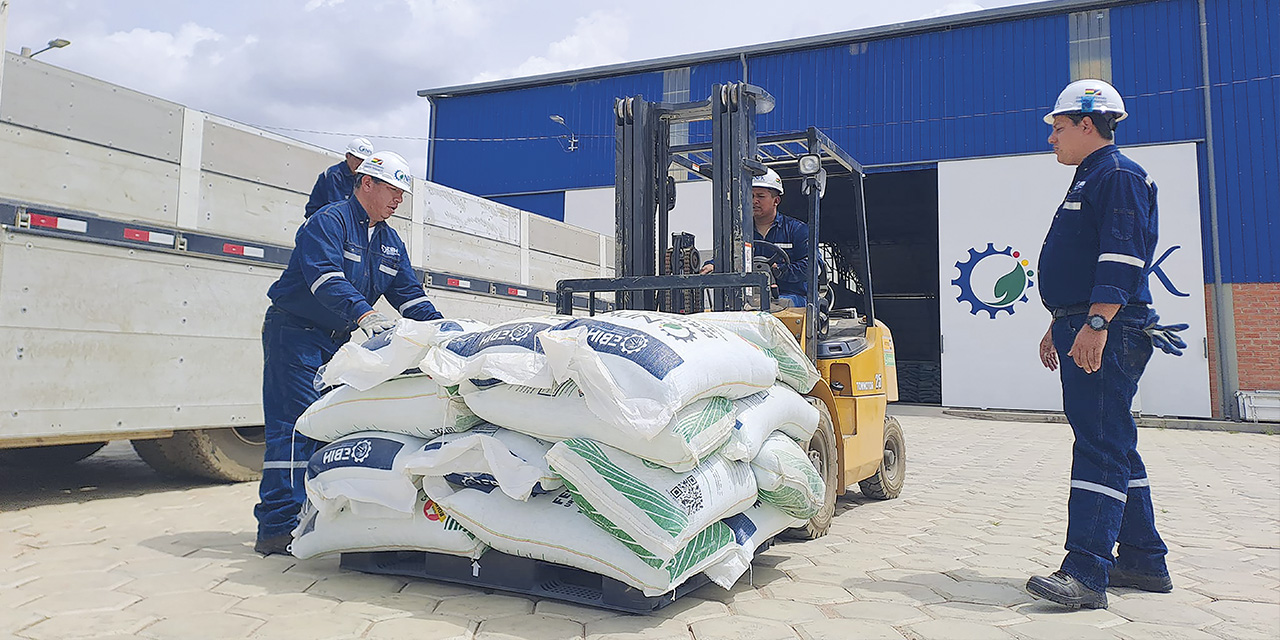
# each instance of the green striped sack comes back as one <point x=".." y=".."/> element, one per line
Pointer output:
<point x="787" y="479"/>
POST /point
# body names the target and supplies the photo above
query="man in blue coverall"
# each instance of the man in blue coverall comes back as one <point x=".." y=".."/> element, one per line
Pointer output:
<point x="788" y="234"/>
<point x="1093" y="278"/>
<point x="344" y="258"/>
<point x="337" y="182"/>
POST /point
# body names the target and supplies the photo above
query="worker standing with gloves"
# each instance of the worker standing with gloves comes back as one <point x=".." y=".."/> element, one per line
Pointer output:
<point x="1093" y="279"/>
<point x="345" y="257"/>
<point x="337" y="182"/>
<point x="788" y="234"/>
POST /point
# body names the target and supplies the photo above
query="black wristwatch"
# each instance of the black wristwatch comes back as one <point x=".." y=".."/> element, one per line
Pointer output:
<point x="1096" y="322"/>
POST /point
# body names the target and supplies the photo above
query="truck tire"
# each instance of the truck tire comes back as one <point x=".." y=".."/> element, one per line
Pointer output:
<point x="232" y="454"/>
<point x="886" y="484"/>
<point x="49" y="456"/>
<point x="822" y="453"/>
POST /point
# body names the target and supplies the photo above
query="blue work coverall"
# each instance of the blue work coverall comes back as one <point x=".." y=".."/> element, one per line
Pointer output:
<point x="335" y="184"/>
<point x="338" y="269"/>
<point x="792" y="236"/>
<point x="1099" y="250"/>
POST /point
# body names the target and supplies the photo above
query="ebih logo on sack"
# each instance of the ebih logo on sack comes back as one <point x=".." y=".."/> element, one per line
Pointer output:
<point x="355" y="453"/>
<point x="1001" y="272"/>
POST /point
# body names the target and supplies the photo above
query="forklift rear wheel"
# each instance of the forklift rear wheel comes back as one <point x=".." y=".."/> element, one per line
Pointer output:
<point x="822" y="453"/>
<point x="886" y="484"/>
<point x="232" y="454"/>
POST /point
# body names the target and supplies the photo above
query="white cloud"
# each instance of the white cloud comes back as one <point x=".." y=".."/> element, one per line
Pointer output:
<point x="953" y="8"/>
<point x="597" y="39"/>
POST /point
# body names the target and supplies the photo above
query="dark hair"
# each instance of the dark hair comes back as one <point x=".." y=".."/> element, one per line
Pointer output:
<point x="1105" y="123"/>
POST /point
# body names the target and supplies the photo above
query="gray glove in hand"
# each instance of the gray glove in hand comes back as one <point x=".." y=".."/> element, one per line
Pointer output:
<point x="1165" y="337"/>
<point x="374" y="323"/>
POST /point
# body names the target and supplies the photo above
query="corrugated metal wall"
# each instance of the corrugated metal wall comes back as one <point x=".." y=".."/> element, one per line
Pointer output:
<point x="1244" y="80"/>
<point x="964" y="92"/>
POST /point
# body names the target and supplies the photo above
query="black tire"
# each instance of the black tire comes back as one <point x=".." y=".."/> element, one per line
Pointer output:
<point x="887" y="483"/>
<point x="227" y="455"/>
<point x="822" y="453"/>
<point x="57" y="455"/>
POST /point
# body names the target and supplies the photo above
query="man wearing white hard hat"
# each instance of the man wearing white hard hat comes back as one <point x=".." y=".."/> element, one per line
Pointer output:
<point x="1093" y="280"/>
<point x="337" y="182"/>
<point x="786" y="233"/>
<point x="344" y="259"/>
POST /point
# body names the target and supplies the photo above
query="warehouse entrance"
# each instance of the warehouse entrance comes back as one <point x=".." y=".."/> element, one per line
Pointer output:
<point x="902" y="229"/>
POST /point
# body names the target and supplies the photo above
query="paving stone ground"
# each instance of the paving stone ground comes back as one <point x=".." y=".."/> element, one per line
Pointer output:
<point x="107" y="549"/>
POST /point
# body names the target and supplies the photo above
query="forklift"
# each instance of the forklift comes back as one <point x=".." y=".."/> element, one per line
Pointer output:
<point x="856" y="442"/>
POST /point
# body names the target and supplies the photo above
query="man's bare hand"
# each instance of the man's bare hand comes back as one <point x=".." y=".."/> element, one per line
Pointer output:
<point x="1048" y="354"/>
<point x="1086" y="351"/>
<point x="706" y="268"/>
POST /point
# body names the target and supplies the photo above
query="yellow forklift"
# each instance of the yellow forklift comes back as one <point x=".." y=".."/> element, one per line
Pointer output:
<point x="856" y="442"/>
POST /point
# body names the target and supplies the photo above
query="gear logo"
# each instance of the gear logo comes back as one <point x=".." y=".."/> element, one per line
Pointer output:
<point x="634" y="344"/>
<point x="993" y="280"/>
<point x="361" y="450"/>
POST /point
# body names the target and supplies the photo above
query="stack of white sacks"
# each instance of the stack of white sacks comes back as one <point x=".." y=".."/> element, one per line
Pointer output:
<point x="642" y="446"/>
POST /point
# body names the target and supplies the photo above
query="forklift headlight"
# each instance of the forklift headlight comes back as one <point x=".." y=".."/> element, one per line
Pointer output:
<point x="810" y="164"/>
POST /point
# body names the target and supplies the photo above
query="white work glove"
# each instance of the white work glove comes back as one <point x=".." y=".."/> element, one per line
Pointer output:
<point x="374" y="323"/>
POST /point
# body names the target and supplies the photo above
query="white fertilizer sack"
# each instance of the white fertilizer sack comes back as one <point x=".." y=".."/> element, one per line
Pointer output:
<point x="767" y="332"/>
<point x="390" y="353"/>
<point x="751" y="528"/>
<point x="787" y="478"/>
<point x="488" y="457"/>
<point x="412" y="405"/>
<point x="429" y="529"/>
<point x="778" y="409"/>
<point x="551" y="527"/>
<point x="510" y="352"/>
<point x="561" y="413"/>
<point x="363" y="473"/>
<point x="650" y="508"/>
<point x="637" y="369"/>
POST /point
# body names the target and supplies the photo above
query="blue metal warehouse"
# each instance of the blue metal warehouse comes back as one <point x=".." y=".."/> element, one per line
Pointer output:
<point x="907" y="98"/>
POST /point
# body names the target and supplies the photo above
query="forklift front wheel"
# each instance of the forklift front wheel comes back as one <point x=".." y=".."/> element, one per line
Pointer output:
<point x="822" y="453"/>
<point x="886" y="484"/>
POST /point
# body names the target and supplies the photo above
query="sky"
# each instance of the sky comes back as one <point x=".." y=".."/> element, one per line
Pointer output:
<point x="322" y="70"/>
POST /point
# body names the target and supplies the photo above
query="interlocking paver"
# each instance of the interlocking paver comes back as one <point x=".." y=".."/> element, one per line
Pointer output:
<point x="316" y="626"/>
<point x="421" y="628"/>
<point x="530" y="627"/>
<point x="739" y="627"/>
<point x="889" y="612"/>
<point x="786" y="611"/>
<point x="846" y="629"/>
<point x="201" y="626"/>
<point x="484" y="607"/>
<point x="954" y="629"/>
<point x="1047" y="630"/>
<point x="79" y="601"/>
<point x="81" y="625"/>
<point x="637" y="628"/>
<point x="984" y="507"/>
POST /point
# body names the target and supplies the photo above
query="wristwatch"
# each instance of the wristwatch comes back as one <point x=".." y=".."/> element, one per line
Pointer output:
<point x="1097" y="322"/>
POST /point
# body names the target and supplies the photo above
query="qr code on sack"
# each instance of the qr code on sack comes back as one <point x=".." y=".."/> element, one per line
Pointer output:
<point x="688" y="494"/>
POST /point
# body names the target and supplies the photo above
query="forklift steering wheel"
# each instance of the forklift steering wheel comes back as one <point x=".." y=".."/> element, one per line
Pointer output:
<point x="777" y="251"/>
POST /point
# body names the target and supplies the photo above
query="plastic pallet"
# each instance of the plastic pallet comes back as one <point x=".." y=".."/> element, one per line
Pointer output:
<point x="497" y="570"/>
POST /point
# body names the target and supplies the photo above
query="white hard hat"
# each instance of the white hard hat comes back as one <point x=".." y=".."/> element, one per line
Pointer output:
<point x="769" y="180"/>
<point x="360" y="148"/>
<point x="388" y="166"/>
<point x="1088" y="96"/>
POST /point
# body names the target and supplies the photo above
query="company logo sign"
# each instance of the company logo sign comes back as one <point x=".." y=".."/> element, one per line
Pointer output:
<point x="993" y="280"/>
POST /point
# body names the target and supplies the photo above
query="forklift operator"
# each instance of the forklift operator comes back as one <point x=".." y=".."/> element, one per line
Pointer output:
<point x="345" y="257"/>
<point x="783" y="231"/>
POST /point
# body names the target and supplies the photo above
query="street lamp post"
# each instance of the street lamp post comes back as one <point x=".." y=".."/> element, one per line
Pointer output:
<point x="56" y="43"/>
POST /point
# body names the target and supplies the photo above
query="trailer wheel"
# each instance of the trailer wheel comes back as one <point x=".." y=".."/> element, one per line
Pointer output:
<point x="49" y="456"/>
<point x="232" y="454"/>
<point x="822" y="453"/>
<point x="886" y="484"/>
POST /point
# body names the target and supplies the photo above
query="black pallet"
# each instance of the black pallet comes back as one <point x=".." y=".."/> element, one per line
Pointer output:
<point x="519" y="575"/>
